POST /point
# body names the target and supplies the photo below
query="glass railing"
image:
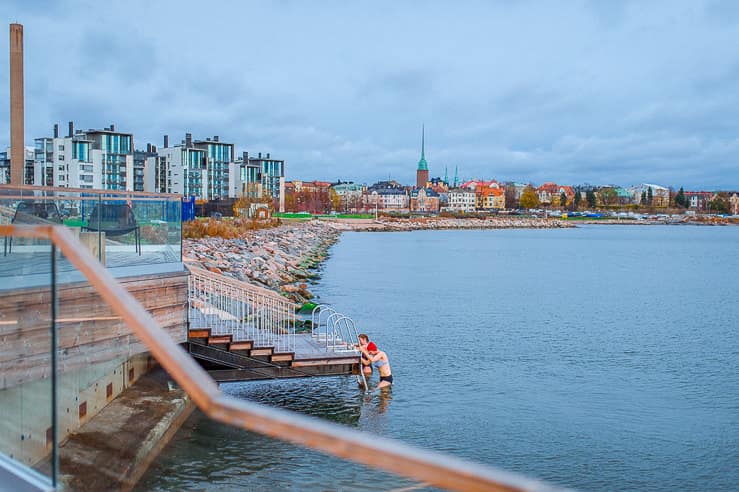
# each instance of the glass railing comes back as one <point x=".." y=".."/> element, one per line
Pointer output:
<point x="27" y="368"/>
<point x="130" y="233"/>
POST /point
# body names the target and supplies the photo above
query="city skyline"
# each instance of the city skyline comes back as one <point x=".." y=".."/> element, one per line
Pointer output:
<point x="617" y="94"/>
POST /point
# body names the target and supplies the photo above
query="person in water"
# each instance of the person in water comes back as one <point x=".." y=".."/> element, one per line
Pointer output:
<point x="366" y="364"/>
<point x="380" y="361"/>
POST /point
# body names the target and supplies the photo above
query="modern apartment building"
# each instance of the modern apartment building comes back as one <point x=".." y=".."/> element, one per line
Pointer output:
<point x="263" y="174"/>
<point x="222" y="176"/>
<point x="28" y="166"/>
<point x="180" y="169"/>
<point x="100" y="159"/>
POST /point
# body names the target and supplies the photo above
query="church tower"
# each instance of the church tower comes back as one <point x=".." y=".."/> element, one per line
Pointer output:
<point x="422" y="173"/>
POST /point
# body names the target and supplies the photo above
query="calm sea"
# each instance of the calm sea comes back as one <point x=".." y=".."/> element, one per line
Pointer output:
<point x="599" y="358"/>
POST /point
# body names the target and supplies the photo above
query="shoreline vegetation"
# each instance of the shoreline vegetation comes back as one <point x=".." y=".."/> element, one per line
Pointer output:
<point x="285" y="256"/>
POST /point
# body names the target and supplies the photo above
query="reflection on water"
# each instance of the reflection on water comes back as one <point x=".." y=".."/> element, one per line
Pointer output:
<point x="206" y="455"/>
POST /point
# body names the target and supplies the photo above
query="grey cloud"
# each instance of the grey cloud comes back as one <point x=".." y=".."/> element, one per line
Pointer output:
<point x="611" y="92"/>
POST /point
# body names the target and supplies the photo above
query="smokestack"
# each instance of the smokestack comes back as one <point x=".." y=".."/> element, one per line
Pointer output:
<point x="56" y="130"/>
<point x="71" y="128"/>
<point x="267" y="155"/>
<point x="188" y="139"/>
<point x="112" y="127"/>
<point x="166" y="141"/>
<point x="215" y="138"/>
<point x="17" y="124"/>
<point x="260" y="155"/>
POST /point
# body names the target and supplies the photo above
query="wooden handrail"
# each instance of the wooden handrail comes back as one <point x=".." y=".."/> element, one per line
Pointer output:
<point x="378" y="452"/>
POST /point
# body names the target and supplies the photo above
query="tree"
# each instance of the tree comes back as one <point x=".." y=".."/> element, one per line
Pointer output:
<point x="609" y="196"/>
<point x="529" y="198"/>
<point x="335" y="200"/>
<point x="680" y="198"/>
<point x="650" y="196"/>
<point x="562" y="199"/>
<point x="590" y="197"/>
<point x="644" y="197"/>
<point x="578" y="199"/>
<point x="720" y="203"/>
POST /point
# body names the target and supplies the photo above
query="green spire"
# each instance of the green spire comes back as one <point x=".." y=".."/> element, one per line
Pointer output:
<point x="422" y="164"/>
<point x="446" y="176"/>
<point x="455" y="176"/>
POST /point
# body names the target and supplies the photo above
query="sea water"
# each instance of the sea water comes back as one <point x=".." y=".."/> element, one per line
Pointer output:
<point x="598" y="358"/>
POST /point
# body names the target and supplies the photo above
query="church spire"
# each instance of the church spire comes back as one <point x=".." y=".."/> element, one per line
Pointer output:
<point x="456" y="179"/>
<point x="422" y="164"/>
<point x="446" y="176"/>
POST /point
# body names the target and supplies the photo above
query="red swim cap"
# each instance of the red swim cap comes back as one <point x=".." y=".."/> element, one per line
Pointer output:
<point x="371" y="347"/>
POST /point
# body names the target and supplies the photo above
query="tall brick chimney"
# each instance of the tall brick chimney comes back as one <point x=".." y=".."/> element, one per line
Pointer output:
<point x="17" y="136"/>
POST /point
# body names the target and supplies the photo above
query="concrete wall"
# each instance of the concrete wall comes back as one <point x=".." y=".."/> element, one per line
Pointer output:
<point x="25" y="427"/>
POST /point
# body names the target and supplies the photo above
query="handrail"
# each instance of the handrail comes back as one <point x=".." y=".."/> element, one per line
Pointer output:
<point x="239" y="284"/>
<point x="390" y="455"/>
<point x="91" y="191"/>
<point x="233" y="299"/>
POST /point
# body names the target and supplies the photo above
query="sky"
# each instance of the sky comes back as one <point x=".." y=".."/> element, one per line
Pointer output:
<point x="599" y="92"/>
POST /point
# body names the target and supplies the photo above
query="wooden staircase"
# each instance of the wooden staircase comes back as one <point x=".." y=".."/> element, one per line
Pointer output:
<point x="226" y="359"/>
<point x="245" y="348"/>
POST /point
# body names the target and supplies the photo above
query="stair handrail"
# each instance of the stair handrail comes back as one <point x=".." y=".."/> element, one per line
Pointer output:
<point x="350" y="337"/>
<point x="274" y="310"/>
<point x="314" y="326"/>
<point x="430" y="467"/>
<point x="333" y="334"/>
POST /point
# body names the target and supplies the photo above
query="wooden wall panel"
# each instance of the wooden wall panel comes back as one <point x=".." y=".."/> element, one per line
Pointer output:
<point x="89" y="332"/>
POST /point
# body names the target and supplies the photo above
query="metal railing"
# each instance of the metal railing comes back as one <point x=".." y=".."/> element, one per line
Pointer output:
<point x="338" y="332"/>
<point x="429" y="467"/>
<point x="230" y="307"/>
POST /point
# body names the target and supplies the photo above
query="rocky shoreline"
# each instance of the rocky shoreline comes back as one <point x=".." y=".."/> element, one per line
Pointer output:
<point x="285" y="258"/>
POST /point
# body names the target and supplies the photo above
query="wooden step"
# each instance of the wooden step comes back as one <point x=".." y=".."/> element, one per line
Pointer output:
<point x="262" y="351"/>
<point x="199" y="333"/>
<point x="220" y="339"/>
<point x="241" y="345"/>
<point x="282" y="357"/>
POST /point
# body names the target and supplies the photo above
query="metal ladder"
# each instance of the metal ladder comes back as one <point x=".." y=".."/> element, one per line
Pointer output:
<point x="339" y="332"/>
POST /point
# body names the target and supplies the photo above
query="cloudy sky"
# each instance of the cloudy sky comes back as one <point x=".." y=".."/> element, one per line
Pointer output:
<point x="570" y="91"/>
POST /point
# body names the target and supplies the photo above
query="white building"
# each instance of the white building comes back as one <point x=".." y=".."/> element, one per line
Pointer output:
<point x="388" y="199"/>
<point x="461" y="200"/>
<point x="99" y="159"/>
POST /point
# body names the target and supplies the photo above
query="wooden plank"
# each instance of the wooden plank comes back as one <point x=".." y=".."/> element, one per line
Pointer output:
<point x="204" y="333"/>
<point x="282" y="357"/>
<point x="89" y="331"/>
<point x="262" y="351"/>
<point x="325" y="362"/>
<point x="219" y="339"/>
<point x="243" y="345"/>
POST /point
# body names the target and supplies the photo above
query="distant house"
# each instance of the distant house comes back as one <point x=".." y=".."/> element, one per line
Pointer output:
<point x="489" y="198"/>
<point x="660" y="194"/>
<point x="698" y="200"/>
<point x="462" y="200"/>
<point x="547" y="192"/>
<point x="387" y="199"/>
<point x="734" y="204"/>
<point x="424" y="200"/>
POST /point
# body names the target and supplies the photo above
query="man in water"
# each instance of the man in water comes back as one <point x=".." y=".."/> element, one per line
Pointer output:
<point x="380" y="361"/>
<point x="366" y="364"/>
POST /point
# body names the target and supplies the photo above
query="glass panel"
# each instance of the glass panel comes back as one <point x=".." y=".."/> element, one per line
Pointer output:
<point x="26" y="434"/>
